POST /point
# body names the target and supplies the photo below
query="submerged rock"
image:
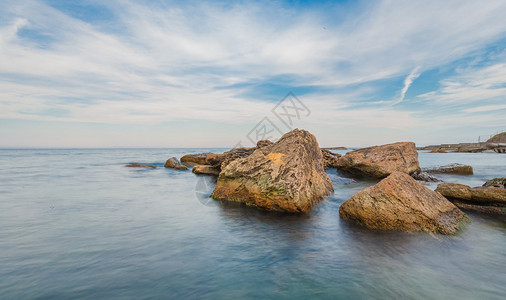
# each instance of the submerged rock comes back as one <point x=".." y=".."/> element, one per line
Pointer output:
<point x="482" y="195"/>
<point x="285" y="176"/>
<point x="330" y="159"/>
<point x="206" y="170"/>
<point x="174" y="164"/>
<point x="424" y="176"/>
<point x="457" y="169"/>
<point x="195" y="159"/>
<point x="136" y="165"/>
<point x="400" y="203"/>
<point x="381" y="161"/>
<point x="440" y="150"/>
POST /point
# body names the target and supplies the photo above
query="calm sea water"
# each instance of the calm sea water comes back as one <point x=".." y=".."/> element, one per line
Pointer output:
<point x="78" y="224"/>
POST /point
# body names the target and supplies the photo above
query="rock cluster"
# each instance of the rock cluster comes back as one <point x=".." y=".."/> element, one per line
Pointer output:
<point x="174" y="164"/>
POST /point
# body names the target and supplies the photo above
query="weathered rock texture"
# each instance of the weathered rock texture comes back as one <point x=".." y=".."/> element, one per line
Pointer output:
<point x="424" y="176"/>
<point x="330" y="159"/>
<point x="285" y="176"/>
<point x="400" y="203"/>
<point x="195" y="159"/>
<point x="457" y="169"/>
<point x="381" y="161"/>
<point x="206" y="170"/>
<point x="483" y="195"/>
<point x="174" y="164"/>
<point x="220" y="161"/>
<point x="496" y="182"/>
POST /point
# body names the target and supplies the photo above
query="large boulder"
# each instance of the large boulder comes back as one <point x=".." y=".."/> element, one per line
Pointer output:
<point x="174" y="164"/>
<point x="380" y="161"/>
<point x="330" y="159"/>
<point x="400" y="203"/>
<point x="457" y="169"/>
<point x="220" y="161"/>
<point x="285" y="176"/>
<point x="195" y="159"/>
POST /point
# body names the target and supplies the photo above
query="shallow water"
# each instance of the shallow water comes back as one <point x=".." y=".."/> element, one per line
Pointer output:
<point x="77" y="224"/>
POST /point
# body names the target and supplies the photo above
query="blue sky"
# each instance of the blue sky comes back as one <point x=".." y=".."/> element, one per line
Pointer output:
<point x="202" y="74"/>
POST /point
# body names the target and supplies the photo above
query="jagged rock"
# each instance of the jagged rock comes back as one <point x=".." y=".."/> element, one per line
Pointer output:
<point x="330" y="159"/>
<point x="195" y="159"/>
<point x="457" y="169"/>
<point x="136" y="165"/>
<point x="285" y="176"/>
<point x="263" y="143"/>
<point x="496" y="182"/>
<point x="220" y="161"/>
<point x="205" y="170"/>
<point x="174" y="164"/>
<point x="400" y="203"/>
<point x="424" y="176"/>
<point x="380" y="161"/>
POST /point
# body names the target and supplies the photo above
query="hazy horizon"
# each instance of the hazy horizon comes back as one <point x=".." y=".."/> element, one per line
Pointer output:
<point x="126" y="74"/>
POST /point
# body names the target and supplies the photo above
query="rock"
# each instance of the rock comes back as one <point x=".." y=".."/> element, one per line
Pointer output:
<point x="483" y="195"/>
<point x="440" y="150"/>
<point x="400" y="203"/>
<point x="174" y="164"/>
<point x="286" y="176"/>
<point x="330" y="159"/>
<point x="424" y="176"/>
<point x="219" y="161"/>
<point x="380" y="161"/>
<point x="263" y="143"/>
<point x="136" y="165"/>
<point x="498" y="138"/>
<point x="195" y="159"/>
<point x="457" y="169"/>
<point x="205" y="170"/>
<point x="496" y="182"/>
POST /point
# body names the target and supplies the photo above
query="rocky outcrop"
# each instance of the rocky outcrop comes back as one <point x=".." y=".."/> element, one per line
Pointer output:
<point x="488" y="198"/>
<point x="380" y="161"/>
<point x="496" y="182"/>
<point x="174" y="164"/>
<point x="195" y="159"/>
<point x="330" y="159"/>
<point x="498" y="138"/>
<point x="456" y="169"/>
<point x="136" y="165"/>
<point x="263" y="143"/>
<point x="286" y="176"/>
<point x="400" y="203"/>
<point x="440" y="150"/>
<point x="206" y="170"/>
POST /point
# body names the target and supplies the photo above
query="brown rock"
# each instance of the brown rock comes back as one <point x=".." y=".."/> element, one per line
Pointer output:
<point x="285" y="176"/>
<point x="478" y="195"/>
<point x="263" y="143"/>
<point x="205" y="170"/>
<point x="195" y="159"/>
<point x="440" y="150"/>
<point x="219" y="161"/>
<point x="330" y="159"/>
<point x="400" y="203"/>
<point x="136" y="165"/>
<point x="174" y="164"/>
<point x="380" y="161"/>
<point x="496" y="182"/>
<point x="457" y="169"/>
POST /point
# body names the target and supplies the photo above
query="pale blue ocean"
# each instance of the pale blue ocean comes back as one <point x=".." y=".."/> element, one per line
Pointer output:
<point x="77" y="224"/>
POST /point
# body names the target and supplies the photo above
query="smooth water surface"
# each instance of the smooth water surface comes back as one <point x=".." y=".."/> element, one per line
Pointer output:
<point x="78" y="224"/>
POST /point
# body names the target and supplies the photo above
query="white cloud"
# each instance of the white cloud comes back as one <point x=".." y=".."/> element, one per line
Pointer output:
<point x="407" y="83"/>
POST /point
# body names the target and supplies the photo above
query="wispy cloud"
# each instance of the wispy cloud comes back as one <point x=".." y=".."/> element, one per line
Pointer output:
<point x="407" y="83"/>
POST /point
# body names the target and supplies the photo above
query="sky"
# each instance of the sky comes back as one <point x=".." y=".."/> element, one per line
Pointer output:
<point x="117" y="73"/>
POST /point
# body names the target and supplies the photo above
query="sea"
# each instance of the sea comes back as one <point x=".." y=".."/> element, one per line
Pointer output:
<point x="78" y="224"/>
